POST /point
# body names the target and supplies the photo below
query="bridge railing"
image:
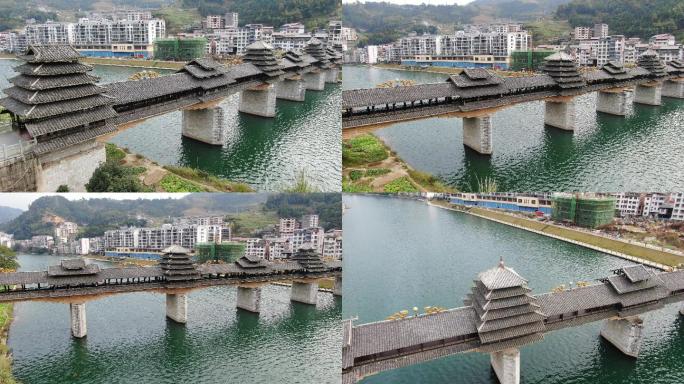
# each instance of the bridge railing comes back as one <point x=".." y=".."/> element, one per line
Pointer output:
<point x="9" y="153"/>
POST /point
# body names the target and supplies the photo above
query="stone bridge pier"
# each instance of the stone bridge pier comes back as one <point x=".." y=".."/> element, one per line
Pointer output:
<point x="477" y="134"/>
<point x="305" y="292"/>
<point x="332" y="75"/>
<point x="259" y="101"/>
<point x="71" y="166"/>
<point x="337" y="287"/>
<point x="177" y="307"/>
<point x="648" y="94"/>
<point x="205" y="124"/>
<point x="293" y="89"/>
<point x="673" y="88"/>
<point x="612" y="102"/>
<point x="560" y="113"/>
<point x="506" y="365"/>
<point x="624" y="333"/>
<point x="78" y="320"/>
<point x="315" y="80"/>
<point x="249" y="298"/>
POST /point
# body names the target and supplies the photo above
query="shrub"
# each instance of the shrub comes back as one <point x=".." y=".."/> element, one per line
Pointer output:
<point x="373" y="172"/>
<point x="113" y="177"/>
<point x="114" y="153"/>
<point x="355" y="174"/>
<point x="173" y="183"/>
<point x="355" y="188"/>
<point x="402" y="184"/>
<point x="362" y="150"/>
<point x="63" y="188"/>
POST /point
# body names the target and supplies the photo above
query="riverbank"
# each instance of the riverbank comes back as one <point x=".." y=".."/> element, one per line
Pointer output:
<point x="369" y="165"/>
<point x="156" y="178"/>
<point x="633" y="252"/>
<point x="128" y="261"/>
<point x="6" y="310"/>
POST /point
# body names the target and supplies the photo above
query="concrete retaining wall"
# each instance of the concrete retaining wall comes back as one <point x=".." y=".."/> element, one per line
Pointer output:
<point x="18" y="175"/>
<point x="72" y="166"/>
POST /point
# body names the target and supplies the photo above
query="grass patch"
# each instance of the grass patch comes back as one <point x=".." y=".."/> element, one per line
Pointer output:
<point x="595" y="240"/>
<point x="350" y="187"/>
<point x="430" y="182"/>
<point x="114" y="153"/>
<point x="402" y="184"/>
<point x="5" y="362"/>
<point x="173" y="183"/>
<point x="363" y="149"/>
<point x="355" y="174"/>
<point x="205" y="178"/>
<point x="177" y="19"/>
<point x="246" y="223"/>
<point x="374" y="172"/>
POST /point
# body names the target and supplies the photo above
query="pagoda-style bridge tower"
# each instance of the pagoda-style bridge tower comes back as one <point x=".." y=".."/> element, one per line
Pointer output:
<point x="501" y="315"/>
<point x="75" y="281"/>
<point x="476" y="94"/>
<point x="60" y="113"/>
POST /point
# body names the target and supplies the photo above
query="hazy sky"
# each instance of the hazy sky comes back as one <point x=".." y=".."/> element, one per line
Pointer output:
<point x="429" y="2"/>
<point x="22" y="200"/>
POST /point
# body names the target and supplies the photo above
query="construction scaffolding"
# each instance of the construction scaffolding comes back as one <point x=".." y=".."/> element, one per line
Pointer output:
<point x="226" y="252"/>
<point x="528" y="60"/>
<point x="180" y="49"/>
<point x="583" y="211"/>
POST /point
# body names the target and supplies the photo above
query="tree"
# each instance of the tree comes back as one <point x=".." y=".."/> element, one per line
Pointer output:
<point x="113" y="177"/>
<point x="8" y="258"/>
<point x="63" y="188"/>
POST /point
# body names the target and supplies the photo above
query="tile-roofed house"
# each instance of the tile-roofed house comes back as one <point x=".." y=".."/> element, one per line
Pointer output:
<point x="506" y="311"/>
<point x="251" y="262"/>
<point x="615" y="70"/>
<point x="475" y="77"/>
<point x="261" y="55"/>
<point x="55" y="100"/>
<point x="177" y="265"/>
<point x="73" y="267"/>
<point x="649" y="60"/>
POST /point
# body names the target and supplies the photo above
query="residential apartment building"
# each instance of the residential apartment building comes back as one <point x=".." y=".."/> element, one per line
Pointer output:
<point x="230" y="20"/>
<point x="332" y="244"/>
<point x="309" y="221"/>
<point x="6" y="240"/>
<point x="50" y="32"/>
<point x="65" y="232"/>
<point x="287" y="227"/>
<point x="42" y="241"/>
<point x="156" y="239"/>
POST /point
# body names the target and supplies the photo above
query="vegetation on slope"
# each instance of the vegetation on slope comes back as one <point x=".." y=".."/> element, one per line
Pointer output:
<point x="641" y="18"/>
<point x="327" y="205"/>
<point x="362" y="150"/>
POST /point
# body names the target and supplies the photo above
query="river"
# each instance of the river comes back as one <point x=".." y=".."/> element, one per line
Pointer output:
<point x="641" y="152"/>
<point x="130" y="341"/>
<point x="403" y="253"/>
<point x="267" y="154"/>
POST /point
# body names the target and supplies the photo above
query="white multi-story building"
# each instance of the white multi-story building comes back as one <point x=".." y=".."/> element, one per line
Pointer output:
<point x="678" y="206"/>
<point x="334" y="33"/>
<point x="42" y="241"/>
<point x="50" y="32"/>
<point x="662" y="39"/>
<point x="600" y="30"/>
<point x="287" y="227"/>
<point x="214" y="22"/>
<point x="256" y="248"/>
<point x="628" y="204"/>
<point x="315" y="236"/>
<point x="371" y="54"/>
<point x="230" y="20"/>
<point x="6" y="240"/>
<point x="156" y="239"/>
<point x="309" y="221"/>
<point x="332" y="244"/>
<point x="599" y="51"/>
<point x="65" y="232"/>
<point x="583" y="33"/>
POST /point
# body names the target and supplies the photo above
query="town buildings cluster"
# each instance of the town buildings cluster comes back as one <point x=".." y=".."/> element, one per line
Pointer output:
<point x="498" y="45"/>
<point x="131" y="33"/>
<point x="291" y="234"/>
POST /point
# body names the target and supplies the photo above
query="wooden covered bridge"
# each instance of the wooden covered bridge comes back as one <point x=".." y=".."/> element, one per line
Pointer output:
<point x="501" y="314"/>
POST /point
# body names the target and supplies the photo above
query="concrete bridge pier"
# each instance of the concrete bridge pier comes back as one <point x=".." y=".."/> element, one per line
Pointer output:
<point x="477" y="134"/>
<point x="624" y="333"/>
<point x="259" y="101"/>
<point x="205" y="125"/>
<point x="649" y="94"/>
<point x="560" y="113"/>
<point x="315" y="81"/>
<point x="673" y="88"/>
<point x="506" y="365"/>
<point x="612" y="102"/>
<point x="337" y="287"/>
<point x="332" y="75"/>
<point x="291" y="89"/>
<point x="177" y="307"/>
<point x="249" y="298"/>
<point x="78" y="320"/>
<point x="72" y="166"/>
<point x="304" y="292"/>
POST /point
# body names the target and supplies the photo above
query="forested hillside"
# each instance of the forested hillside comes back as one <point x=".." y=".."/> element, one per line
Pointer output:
<point x="8" y="213"/>
<point x="642" y="18"/>
<point x="327" y="205"/>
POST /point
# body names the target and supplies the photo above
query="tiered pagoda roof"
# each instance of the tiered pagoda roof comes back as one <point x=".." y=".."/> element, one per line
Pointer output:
<point x="251" y="262"/>
<point x="562" y="68"/>
<point x="616" y="70"/>
<point x="507" y="313"/>
<point x="649" y="60"/>
<point x="73" y="267"/>
<point x="475" y="77"/>
<point x="315" y="48"/>
<point x="177" y="265"/>
<point x="334" y="56"/>
<point x="261" y="55"/>
<point x="309" y="259"/>
<point x="56" y="100"/>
